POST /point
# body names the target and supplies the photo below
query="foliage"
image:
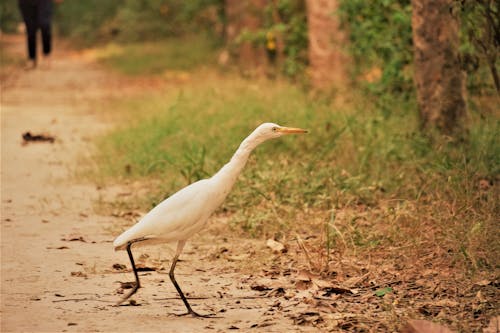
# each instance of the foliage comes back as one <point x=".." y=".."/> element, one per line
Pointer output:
<point x="9" y="16"/>
<point x="83" y="19"/>
<point x="292" y="23"/>
<point x="286" y="20"/>
<point x="380" y="42"/>
<point x="480" y="41"/>
<point x="134" y="20"/>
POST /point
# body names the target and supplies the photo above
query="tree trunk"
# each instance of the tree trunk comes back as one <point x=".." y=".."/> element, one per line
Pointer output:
<point x="327" y="44"/>
<point x="439" y="79"/>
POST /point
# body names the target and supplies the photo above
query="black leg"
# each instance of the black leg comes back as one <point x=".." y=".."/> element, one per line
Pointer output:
<point x="137" y="283"/>
<point x="176" y="285"/>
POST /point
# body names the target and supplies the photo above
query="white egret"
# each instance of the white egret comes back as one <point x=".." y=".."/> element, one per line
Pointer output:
<point x="186" y="212"/>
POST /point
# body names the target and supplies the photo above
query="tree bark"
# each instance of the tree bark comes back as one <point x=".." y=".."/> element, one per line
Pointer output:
<point x="439" y="79"/>
<point x="327" y="44"/>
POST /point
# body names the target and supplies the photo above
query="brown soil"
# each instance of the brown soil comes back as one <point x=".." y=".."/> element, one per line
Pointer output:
<point x="59" y="271"/>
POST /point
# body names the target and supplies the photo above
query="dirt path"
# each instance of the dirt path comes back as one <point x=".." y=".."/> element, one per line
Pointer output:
<point x="56" y="254"/>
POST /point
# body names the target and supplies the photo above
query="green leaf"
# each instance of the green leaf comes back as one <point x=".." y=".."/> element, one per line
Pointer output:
<point x="382" y="291"/>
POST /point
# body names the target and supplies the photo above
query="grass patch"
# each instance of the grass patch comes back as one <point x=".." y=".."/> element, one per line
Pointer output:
<point x="156" y="57"/>
<point x="362" y="179"/>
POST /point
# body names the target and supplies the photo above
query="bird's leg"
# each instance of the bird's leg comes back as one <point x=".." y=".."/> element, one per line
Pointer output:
<point x="191" y="312"/>
<point x="137" y="284"/>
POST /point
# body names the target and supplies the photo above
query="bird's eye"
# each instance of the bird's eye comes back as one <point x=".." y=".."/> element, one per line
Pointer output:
<point x="274" y="129"/>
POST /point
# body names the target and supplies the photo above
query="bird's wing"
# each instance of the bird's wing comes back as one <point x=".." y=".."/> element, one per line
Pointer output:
<point x="175" y="218"/>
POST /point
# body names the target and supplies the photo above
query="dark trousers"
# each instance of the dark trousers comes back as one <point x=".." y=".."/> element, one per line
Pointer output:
<point x="37" y="14"/>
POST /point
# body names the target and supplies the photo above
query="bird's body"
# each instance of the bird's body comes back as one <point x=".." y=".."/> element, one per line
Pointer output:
<point x="186" y="212"/>
<point x="175" y="218"/>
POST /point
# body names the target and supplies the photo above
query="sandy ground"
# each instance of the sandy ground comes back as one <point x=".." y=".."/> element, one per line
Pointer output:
<point x="57" y="259"/>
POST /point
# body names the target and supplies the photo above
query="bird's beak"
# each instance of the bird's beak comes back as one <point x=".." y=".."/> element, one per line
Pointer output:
<point x="291" y="130"/>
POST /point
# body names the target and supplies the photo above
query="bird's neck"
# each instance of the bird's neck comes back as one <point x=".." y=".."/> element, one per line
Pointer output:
<point x="229" y="172"/>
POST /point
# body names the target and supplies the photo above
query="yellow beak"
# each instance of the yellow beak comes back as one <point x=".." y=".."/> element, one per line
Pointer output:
<point x="291" y="130"/>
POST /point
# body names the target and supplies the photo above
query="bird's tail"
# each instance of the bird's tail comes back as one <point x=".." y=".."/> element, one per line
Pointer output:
<point x="121" y="242"/>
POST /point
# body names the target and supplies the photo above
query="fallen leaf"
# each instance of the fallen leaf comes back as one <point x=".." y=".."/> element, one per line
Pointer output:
<point x="307" y="318"/>
<point x="304" y="275"/>
<point x="275" y="246"/>
<point x="74" y="239"/>
<point x="77" y="239"/>
<point x="446" y="303"/>
<point x="28" y="137"/>
<point x="337" y="290"/>
<point x="119" y="267"/>
<point x="280" y="291"/>
<point x="260" y="287"/>
<point x="481" y="297"/>
<point x="303" y="285"/>
<point x="424" y="326"/>
<point x="78" y="274"/>
<point x="483" y="283"/>
<point x="321" y="284"/>
<point x="493" y="326"/>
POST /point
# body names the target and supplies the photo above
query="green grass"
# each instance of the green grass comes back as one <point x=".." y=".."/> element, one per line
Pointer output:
<point x="157" y="57"/>
<point x="394" y="186"/>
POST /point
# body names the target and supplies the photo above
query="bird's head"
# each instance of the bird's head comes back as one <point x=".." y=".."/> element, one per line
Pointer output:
<point x="270" y="131"/>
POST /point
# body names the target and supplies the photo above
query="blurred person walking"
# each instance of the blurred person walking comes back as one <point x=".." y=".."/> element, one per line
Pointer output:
<point x="37" y="14"/>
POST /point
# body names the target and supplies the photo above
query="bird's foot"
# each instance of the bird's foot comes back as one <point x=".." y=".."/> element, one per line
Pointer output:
<point x="196" y="315"/>
<point x="126" y="297"/>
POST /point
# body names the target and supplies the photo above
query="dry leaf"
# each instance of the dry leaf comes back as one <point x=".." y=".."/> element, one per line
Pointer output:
<point x="493" y="326"/>
<point x="119" y="267"/>
<point x="446" y="303"/>
<point x="307" y="318"/>
<point x="424" y="326"/>
<point x="337" y="290"/>
<point x="74" y="238"/>
<point x="260" y="287"/>
<point x="303" y="285"/>
<point x="483" y="283"/>
<point x="275" y="246"/>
